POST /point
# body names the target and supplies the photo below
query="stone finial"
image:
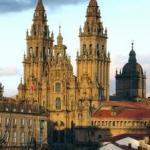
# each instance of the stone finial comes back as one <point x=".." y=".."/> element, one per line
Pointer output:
<point x="59" y="38"/>
<point x="132" y="45"/>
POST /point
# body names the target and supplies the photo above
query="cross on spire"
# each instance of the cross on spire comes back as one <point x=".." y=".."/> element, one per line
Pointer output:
<point x="59" y="29"/>
<point x="132" y="55"/>
<point x="59" y="38"/>
<point x="132" y="45"/>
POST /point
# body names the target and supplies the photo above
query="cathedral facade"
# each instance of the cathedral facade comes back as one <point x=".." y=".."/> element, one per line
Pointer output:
<point x="48" y="74"/>
<point x="75" y="102"/>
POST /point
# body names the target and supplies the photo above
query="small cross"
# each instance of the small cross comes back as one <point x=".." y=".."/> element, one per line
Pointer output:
<point x="59" y="29"/>
<point x="132" y="45"/>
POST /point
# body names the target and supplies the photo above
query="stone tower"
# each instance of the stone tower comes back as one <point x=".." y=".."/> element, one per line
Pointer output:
<point x="34" y="86"/>
<point x="131" y="81"/>
<point x="93" y="61"/>
<point x="48" y="76"/>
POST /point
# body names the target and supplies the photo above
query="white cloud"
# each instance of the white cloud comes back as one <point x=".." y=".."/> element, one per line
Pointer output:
<point x="10" y="92"/>
<point x="9" y="71"/>
<point x="7" y="6"/>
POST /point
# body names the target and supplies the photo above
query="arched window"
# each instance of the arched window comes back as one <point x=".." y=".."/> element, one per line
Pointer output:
<point x="30" y="51"/>
<point x="98" y="53"/>
<point x="44" y="103"/>
<point x="36" y="52"/>
<point x="57" y="87"/>
<point x="58" y="103"/>
<point x="90" y="49"/>
<point x="49" y="51"/>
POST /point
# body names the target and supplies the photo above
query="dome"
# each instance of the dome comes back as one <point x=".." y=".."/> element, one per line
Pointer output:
<point x="132" y="68"/>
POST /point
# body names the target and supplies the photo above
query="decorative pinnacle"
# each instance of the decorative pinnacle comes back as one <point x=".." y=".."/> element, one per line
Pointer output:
<point x="59" y="29"/>
<point x="132" y="45"/>
<point x="132" y="54"/>
<point x="116" y="71"/>
<point x="59" y="38"/>
<point x="21" y="80"/>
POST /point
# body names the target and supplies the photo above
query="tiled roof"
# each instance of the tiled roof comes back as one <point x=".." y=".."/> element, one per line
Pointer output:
<point x="124" y="113"/>
<point x="126" y="104"/>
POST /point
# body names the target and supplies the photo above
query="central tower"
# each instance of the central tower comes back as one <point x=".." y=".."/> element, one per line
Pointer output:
<point x="93" y="62"/>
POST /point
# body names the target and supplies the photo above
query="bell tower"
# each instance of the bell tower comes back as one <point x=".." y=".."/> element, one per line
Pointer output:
<point x="93" y="61"/>
<point x="39" y="49"/>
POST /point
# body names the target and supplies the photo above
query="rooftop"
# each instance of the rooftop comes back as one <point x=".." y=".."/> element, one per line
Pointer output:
<point x="9" y="105"/>
<point x="126" y="110"/>
<point x="124" y="113"/>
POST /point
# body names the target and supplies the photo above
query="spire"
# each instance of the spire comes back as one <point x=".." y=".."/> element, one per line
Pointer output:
<point x="132" y="55"/>
<point x="40" y="12"/>
<point x="93" y="24"/>
<point x="93" y="9"/>
<point x="59" y="38"/>
<point x="39" y="27"/>
<point x="93" y="3"/>
<point x="40" y="6"/>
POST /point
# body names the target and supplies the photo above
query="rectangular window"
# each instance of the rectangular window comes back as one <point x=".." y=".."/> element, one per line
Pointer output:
<point x="22" y="122"/>
<point x="7" y="136"/>
<point x="15" y="137"/>
<point x="7" y="121"/>
<point x="30" y="122"/>
<point x="57" y="87"/>
<point x="14" y="122"/>
<point x="22" y="137"/>
<point x="58" y="103"/>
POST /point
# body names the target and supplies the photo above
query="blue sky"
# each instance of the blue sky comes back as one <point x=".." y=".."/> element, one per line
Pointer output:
<point x="126" y="20"/>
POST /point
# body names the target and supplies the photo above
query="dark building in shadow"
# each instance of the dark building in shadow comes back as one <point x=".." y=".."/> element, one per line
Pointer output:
<point x="131" y="81"/>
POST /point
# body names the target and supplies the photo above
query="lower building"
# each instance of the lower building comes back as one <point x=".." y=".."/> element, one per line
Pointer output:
<point x="22" y="126"/>
<point x="115" y="118"/>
